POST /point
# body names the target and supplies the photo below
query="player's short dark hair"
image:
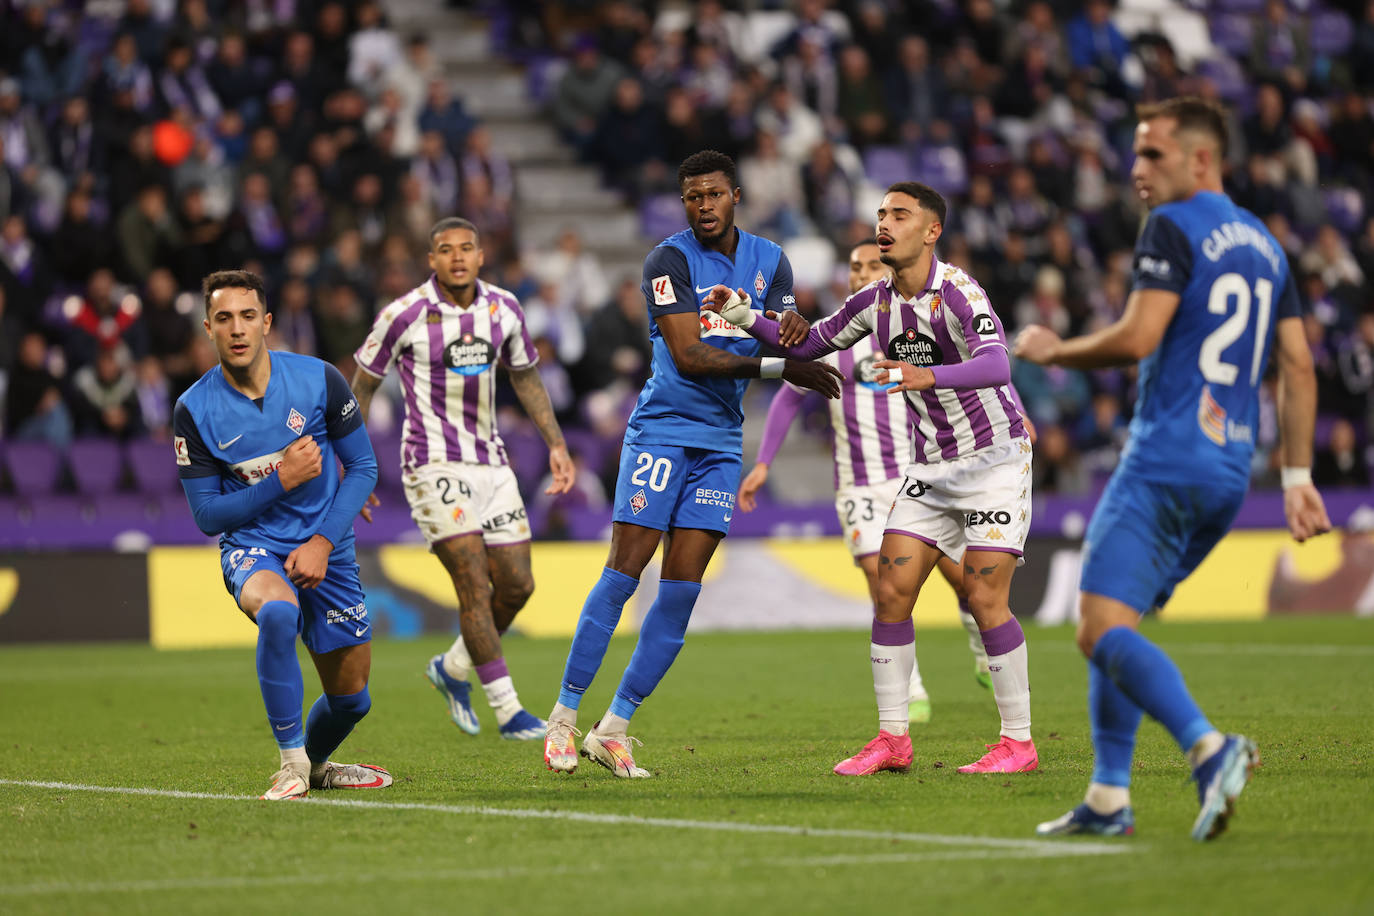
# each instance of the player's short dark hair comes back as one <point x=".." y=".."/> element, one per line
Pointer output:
<point x="449" y="223"/>
<point x="233" y="279"/>
<point x="1191" y="113"/>
<point x="925" y="195"/>
<point x="871" y="240"/>
<point x="705" y="162"/>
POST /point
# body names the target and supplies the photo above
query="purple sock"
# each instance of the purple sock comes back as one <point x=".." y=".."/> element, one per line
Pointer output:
<point x="893" y="634"/>
<point x="490" y="671"/>
<point x="1003" y="638"/>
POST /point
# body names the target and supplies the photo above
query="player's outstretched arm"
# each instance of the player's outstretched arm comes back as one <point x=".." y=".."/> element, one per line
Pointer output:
<point x="534" y="397"/>
<point x="364" y="386"/>
<point x="735" y="307"/>
<point x="1303" y="507"/>
<point x="1134" y="336"/>
<point x="781" y="413"/>
<point x="682" y="333"/>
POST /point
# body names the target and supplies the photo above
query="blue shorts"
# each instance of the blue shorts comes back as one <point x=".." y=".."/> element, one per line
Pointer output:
<point x="333" y="613"/>
<point x="671" y="486"/>
<point x="1145" y="537"/>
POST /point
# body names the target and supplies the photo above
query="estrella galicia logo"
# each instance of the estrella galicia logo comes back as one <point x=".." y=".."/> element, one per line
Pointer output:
<point x="916" y="348"/>
<point x="866" y="375"/>
<point x="469" y="355"/>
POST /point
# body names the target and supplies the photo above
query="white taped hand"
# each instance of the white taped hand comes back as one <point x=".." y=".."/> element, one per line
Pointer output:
<point x="737" y="311"/>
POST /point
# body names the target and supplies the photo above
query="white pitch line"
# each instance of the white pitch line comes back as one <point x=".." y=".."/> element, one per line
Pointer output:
<point x="1035" y="847"/>
<point x="1235" y="648"/>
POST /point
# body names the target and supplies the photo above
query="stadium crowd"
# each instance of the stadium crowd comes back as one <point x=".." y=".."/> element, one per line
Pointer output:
<point x="145" y="143"/>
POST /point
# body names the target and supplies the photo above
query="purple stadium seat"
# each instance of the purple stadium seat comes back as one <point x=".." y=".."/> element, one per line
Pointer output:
<point x="1345" y="207"/>
<point x="943" y="168"/>
<point x="1331" y="33"/>
<point x="33" y="466"/>
<point x="1231" y="33"/>
<point x="153" y="465"/>
<point x="887" y="165"/>
<point x="1227" y="76"/>
<point x="661" y="215"/>
<point x="96" y="466"/>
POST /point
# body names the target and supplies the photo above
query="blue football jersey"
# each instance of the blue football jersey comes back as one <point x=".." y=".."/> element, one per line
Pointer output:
<point x="698" y="411"/>
<point x="221" y="432"/>
<point x="1198" y="403"/>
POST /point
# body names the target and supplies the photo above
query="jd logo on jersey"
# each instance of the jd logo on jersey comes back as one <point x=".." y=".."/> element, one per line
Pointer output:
<point x="469" y="355"/>
<point x="916" y="348"/>
<point x="865" y="374"/>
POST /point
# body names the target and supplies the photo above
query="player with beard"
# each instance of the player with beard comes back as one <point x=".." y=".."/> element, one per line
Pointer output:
<point x="680" y="463"/>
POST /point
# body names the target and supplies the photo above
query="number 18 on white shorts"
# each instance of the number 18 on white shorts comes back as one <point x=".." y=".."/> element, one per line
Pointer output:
<point x="980" y="502"/>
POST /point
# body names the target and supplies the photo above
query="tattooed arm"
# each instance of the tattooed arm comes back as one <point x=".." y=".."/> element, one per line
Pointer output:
<point x="529" y="388"/>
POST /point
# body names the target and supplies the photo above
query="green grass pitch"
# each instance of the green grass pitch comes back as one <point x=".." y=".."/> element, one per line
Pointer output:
<point x="742" y="816"/>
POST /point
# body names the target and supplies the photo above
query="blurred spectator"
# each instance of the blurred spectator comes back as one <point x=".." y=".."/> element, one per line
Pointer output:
<point x="915" y="91"/>
<point x="343" y="324"/>
<point x="811" y="76"/>
<point x="23" y="273"/>
<point x="105" y="317"/>
<point x="574" y="271"/>
<point x="584" y="93"/>
<point x="628" y="138"/>
<point x="552" y="317"/>
<point x="78" y="149"/>
<point x="183" y="85"/>
<point x="170" y="316"/>
<point x="147" y="233"/>
<point x="796" y="127"/>
<point x="293" y="321"/>
<point x="125" y="72"/>
<point x="617" y="340"/>
<point x="437" y="173"/>
<point x="480" y="158"/>
<point x="1329" y="257"/>
<point x="1339" y="463"/>
<point x="709" y="76"/>
<point x="1279" y="48"/>
<point x="374" y="50"/>
<point x="202" y="240"/>
<point x="831" y="191"/>
<point x="80" y="247"/>
<point x="105" y="396"/>
<point x="1061" y="469"/>
<point x="307" y="209"/>
<point x="153" y="397"/>
<point x="860" y="98"/>
<point x="51" y="66"/>
<point x="1096" y="46"/>
<point x="771" y="191"/>
<point x="255" y="228"/>
<point x="238" y="81"/>
<point x="34" y="408"/>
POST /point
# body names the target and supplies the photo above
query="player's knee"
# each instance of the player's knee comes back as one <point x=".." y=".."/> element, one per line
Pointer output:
<point x="351" y="705"/>
<point x="515" y="595"/>
<point x="1086" y="637"/>
<point x="277" y="620"/>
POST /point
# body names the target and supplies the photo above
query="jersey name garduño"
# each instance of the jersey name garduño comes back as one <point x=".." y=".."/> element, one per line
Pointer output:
<point x="949" y="322"/>
<point x="699" y="411"/>
<point x="447" y="357"/>
<point x="1198" y="403"/>
<point x="219" y="431"/>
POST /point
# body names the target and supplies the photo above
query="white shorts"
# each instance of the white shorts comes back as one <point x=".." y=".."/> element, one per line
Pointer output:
<point x="451" y="498"/>
<point x="982" y="502"/>
<point x="863" y="515"/>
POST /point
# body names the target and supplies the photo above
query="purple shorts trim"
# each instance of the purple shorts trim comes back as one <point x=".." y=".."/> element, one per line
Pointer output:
<point x="1011" y="550"/>
<point x="864" y="556"/>
<point x="911" y="534"/>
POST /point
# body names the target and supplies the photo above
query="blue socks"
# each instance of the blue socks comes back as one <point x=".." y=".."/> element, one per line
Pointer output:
<point x="1115" y="720"/>
<point x="1148" y="678"/>
<point x="600" y="614"/>
<point x="330" y="721"/>
<point x="279" y="671"/>
<point x="660" y="640"/>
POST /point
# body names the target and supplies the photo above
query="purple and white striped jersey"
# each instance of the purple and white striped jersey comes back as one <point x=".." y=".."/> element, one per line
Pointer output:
<point x="948" y="323"/>
<point x="447" y="359"/>
<point x="871" y="439"/>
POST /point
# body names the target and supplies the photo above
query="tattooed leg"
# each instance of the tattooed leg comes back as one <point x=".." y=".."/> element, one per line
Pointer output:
<point x="904" y="562"/>
<point x="512" y="582"/>
<point x="987" y="580"/>
<point x="465" y="559"/>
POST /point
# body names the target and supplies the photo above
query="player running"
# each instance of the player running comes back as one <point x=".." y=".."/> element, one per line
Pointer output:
<point x="446" y="337"/>
<point x="256" y="440"/>
<point x="1212" y="293"/>
<point x="966" y="494"/>
<point x="872" y="448"/>
<point x="680" y="463"/>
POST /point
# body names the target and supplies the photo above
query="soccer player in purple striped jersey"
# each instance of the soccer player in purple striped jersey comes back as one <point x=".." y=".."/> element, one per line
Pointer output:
<point x="872" y="449"/>
<point x="445" y="338"/>
<point x="966" y="494"/>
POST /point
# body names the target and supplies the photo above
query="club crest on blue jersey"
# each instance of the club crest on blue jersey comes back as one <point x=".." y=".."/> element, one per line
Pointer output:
<point x="469" y="355"/>
<point x="295" y="422"/>
<point x="638" y="502"/>
<point x="760" y="284"/>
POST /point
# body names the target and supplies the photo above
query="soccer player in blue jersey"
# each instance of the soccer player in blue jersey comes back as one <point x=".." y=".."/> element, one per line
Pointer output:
<point x="1213" y="295"/>
<point x="256" y="440"/>
<point x="680" y="463"/>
